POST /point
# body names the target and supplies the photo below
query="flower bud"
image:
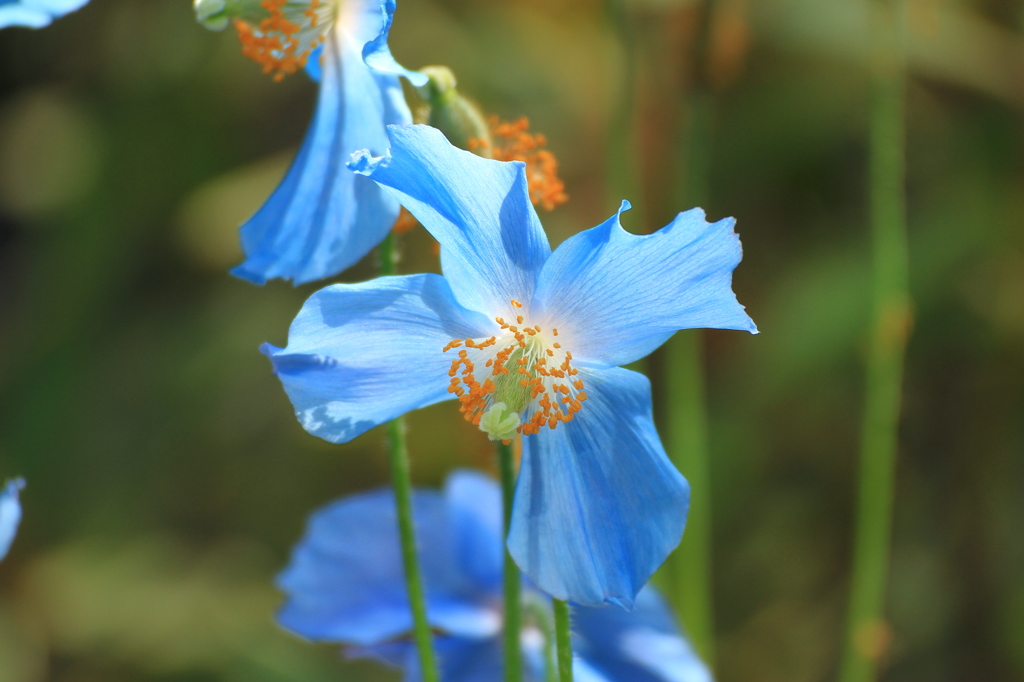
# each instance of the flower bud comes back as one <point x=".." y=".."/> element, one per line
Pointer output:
<point x="454" y="115"/>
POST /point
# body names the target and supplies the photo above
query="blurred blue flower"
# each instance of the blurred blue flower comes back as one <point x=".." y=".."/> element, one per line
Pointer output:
<point x="35" y="13"/>
<point x="322" y="218"/>
<point x="537" y="338"/>
<point x="345" y="584"/>
<point x="10" y="514"/>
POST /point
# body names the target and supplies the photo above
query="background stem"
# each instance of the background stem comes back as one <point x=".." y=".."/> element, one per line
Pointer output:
<point x="686" y="429"/>
<point x="867" y="633"/>
<point x="686" y="441"/>
<point x="513" y="583"/>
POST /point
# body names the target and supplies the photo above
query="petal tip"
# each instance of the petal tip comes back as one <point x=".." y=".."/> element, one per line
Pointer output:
<point x="377" y="55"/>
<point x="365" y="163"/>
<point x="241" y="272"/>
<point x="697" y="212"/>
<point x="729" y="224"/>
<point x="270" y="350"/>
<point x="416" y="78"/>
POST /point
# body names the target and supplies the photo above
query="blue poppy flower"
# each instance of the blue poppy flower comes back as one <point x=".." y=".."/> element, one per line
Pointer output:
<point x="345" y="584"/>
<point x="10" y="514"/>
<point x="530" y="342"/>
<point x="322" y="218"/>
<point x="35" y="13"/>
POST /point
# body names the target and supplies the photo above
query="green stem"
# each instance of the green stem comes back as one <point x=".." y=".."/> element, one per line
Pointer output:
<point x="563" y="640"/>
<point x="513" y="583"/>
<point x="401" y="481"/>
<point x="867" y="633"/>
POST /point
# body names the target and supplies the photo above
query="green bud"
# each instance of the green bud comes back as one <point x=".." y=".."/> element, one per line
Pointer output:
<point x="500" y="423"/>
<point x="453" y="114"/>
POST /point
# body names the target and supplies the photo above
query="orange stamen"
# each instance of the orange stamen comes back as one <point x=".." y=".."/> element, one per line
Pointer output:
<point x="513" y="143"/>
<point x="553" y="397"/>
<point x="285" y="38"/>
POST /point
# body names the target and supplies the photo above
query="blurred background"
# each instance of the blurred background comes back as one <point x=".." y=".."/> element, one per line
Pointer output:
<point x="167" y="476"/>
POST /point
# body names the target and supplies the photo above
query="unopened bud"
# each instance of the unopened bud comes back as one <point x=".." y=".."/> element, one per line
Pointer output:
<point x="454" y="115"/>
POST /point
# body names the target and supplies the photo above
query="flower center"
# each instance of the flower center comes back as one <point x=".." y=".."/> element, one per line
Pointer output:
<point x="516" y="382"/>
<point x="279" y="35"/>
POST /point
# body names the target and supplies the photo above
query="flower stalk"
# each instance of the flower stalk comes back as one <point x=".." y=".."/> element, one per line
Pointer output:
<point x="867" y="634"/>
<point x="686" y="443"/>
<point x="512" y="581"/>
<point x="563" y="639"/>
<point x="401" y="481"/>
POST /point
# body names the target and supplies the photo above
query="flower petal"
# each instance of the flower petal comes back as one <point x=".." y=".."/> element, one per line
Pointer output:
<point x="620" y="295"/>
<point x="55" y="7"/>
<point x="474" y="508"/>
<point x="314" y="64"/>
<point x="345" y="582"/>
<point x="359" y="355"/>
<point x="459" y="659"/>
<point x="323" y="218"/>
<point x="492" y="243"/>
<point x="16" y="15"/>
<point x="598" y="505"/>
<point x="643" y="645"/>
<point x="35" y="13"/>
<point x="582" y="671"/>
<point x="376" y="52"/>
<point x="10" y="514"/>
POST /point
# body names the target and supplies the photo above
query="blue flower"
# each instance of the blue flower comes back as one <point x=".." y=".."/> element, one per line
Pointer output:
<point x="322" y="218"/>
<point x="35" y="13"/>
<point x="10" y="514"/>
<point x="345" y="584"/>
<point x="537" y="338"/>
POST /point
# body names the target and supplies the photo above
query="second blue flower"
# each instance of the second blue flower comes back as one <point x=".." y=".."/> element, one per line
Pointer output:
<point x="322" y="218"/>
